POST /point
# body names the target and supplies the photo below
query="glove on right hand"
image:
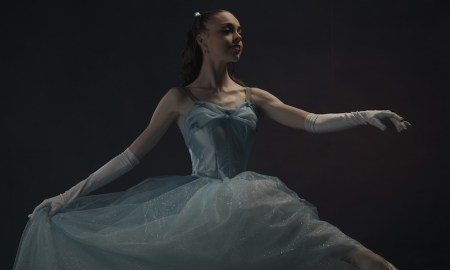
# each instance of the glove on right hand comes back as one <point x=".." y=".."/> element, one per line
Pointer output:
<point x="106" y="174"/>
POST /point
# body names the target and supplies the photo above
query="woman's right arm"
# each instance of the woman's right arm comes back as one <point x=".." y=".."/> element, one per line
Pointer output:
<point x="166" y="112"/>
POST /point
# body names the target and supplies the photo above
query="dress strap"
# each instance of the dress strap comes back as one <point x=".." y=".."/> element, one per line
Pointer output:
<point x="189" y="93"/>
<point x="247" y="93"/>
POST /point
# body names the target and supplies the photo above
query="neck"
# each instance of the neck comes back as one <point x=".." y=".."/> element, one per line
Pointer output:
<point x="214" y="76"/>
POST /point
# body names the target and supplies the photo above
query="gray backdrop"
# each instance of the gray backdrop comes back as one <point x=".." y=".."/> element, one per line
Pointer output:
<point x="80" y="82"/>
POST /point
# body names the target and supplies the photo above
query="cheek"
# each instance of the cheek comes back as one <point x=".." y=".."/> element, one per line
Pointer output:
<point x="219" y="46"/>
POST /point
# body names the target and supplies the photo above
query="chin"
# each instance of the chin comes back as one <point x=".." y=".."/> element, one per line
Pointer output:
<point x="235" y="59"/>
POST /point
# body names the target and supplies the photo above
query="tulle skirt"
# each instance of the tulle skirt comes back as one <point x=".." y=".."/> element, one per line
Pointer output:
<point x="250" y="221"/>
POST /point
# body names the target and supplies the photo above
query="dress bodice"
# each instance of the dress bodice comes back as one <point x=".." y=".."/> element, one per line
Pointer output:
<point x="219" y="139"/>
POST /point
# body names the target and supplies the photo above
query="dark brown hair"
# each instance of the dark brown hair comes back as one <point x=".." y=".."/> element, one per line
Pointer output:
<point x="191" y="55"/>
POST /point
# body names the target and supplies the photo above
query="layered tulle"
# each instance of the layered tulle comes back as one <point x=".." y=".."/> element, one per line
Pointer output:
<point x="250" y="221"/>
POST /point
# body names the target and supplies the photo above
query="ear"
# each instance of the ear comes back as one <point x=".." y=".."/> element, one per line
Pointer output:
<point x="200" y="39"/>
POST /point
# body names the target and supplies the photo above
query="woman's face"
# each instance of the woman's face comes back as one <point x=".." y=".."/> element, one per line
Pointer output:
<point x="222" y="40"/>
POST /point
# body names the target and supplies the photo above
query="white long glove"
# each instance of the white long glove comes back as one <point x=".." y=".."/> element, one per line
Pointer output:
<point x="106" y="174"/>
<point x="322" y="123"/>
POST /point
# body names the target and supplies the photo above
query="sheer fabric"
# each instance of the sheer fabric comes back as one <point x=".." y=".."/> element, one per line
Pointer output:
<point x="220" y="217"/>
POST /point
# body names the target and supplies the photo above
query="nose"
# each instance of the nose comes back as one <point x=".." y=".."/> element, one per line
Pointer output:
<point x="237" y="38"/>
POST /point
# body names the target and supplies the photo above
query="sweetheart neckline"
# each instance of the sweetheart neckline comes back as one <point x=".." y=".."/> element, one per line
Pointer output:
<point x="222" y="107"/>
<point x="188" y="111"/>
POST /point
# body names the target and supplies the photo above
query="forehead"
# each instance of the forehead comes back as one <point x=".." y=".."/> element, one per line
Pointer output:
<point x="223" y="18"/>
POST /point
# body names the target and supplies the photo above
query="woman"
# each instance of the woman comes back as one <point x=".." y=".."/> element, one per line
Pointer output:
<point x="221" y="216"/>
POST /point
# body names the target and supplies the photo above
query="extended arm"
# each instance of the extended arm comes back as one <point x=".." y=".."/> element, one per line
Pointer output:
<point x="161" y="119"/>
<point x="321" y="123"/>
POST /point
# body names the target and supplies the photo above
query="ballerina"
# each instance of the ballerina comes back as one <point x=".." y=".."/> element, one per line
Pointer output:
<point x="219" y="217"/>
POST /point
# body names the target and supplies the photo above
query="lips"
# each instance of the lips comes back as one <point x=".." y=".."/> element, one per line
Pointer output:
<point x="236" y="48"/>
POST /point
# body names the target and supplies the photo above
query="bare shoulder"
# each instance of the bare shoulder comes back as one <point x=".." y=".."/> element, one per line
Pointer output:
<point x="174" y="95"/>
<point x="261" y="97"/>
<point x="174" y="100"/>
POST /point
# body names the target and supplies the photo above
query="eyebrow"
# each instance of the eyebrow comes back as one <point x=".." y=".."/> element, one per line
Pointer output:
<point x="231" y="25"/>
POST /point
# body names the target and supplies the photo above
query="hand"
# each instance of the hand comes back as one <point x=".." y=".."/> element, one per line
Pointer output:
<point x="56" y="204"/>
<point x="373" y="118"/>
<point x="107" y="173"/>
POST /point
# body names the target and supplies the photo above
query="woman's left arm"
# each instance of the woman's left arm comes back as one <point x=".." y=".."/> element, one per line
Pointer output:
<point x="290" y="116"/>
<point x="276" y="110"/>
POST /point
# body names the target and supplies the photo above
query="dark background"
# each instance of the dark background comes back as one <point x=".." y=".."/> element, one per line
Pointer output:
<point x="80" y="81"/>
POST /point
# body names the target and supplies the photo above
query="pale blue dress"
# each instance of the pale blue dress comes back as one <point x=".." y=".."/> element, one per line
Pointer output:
<point x="220" y="217"/>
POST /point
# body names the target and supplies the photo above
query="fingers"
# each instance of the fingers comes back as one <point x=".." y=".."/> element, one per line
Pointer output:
<point x="43" y="204"/>
<point x="391" y="114"/>
<point x="400" y="125"/>
<point x="399" y="122"/>
<point x="377" y="123"/>
<point x="54" y="208"/>
<point x="30" y="216"/>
